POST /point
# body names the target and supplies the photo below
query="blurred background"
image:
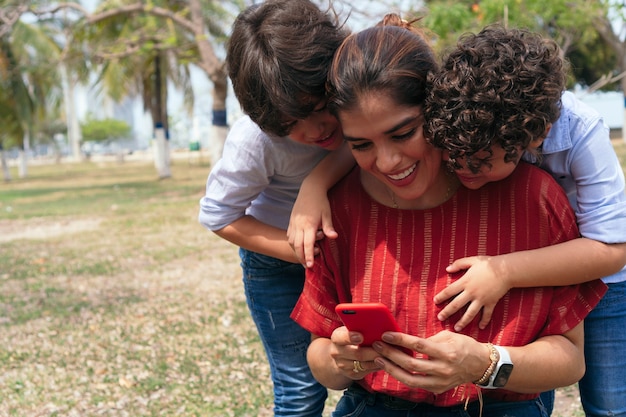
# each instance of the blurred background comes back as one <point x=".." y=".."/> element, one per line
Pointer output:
<point x="125" y="77"/>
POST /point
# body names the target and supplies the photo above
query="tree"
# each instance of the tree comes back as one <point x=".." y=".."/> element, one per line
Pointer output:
<point x="616" y="39"/>
<point x="103" y="130"/>
<point x="168" y="37"/>
<point x="565" y="21"/>
<point x="584" y="30"/>
<point x="27" y="73"/>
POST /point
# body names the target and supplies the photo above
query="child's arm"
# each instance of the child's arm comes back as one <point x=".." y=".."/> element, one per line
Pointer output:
<point x="591" y="171"/>
<point x="488" y="278"/>
<point x="251" y="234"/>
<point x="311" y="208"/>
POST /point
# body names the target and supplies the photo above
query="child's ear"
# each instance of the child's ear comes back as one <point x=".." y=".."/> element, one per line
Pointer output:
<point x="536" y="143"/>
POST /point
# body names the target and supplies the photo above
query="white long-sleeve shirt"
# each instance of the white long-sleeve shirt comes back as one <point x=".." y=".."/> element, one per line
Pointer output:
<point x="259" y="175"/>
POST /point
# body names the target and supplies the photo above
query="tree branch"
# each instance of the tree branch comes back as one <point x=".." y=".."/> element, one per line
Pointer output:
<point x="139" y="8"/>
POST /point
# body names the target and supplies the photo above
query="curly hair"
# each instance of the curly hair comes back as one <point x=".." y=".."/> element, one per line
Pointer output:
<point x="501" y="86"/>
<point x="392" y="58"/>
<point x="278" y="57"/>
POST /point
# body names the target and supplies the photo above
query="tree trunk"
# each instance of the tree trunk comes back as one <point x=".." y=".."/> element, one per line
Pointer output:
<point x="216" y="72"/>
<point x="159" y="118"/>
<point x="71" y="119"/>
<point x="161" y="149"/>
<point x="22" y="170"/>
<point x="605" y="29"/>
<point x="219" y="128"/>
<point x="5" y="166"/>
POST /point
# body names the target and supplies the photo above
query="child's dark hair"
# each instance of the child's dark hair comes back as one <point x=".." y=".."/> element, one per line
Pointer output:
<point x="501" y="86"/>
<point x="278" y="58"/>
<point x="392" y="58"/>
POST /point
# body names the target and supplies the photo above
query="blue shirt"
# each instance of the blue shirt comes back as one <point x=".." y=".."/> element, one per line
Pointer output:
<point x="579" y="155"/>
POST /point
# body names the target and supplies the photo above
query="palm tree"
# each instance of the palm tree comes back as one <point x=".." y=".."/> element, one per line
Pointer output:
<point x="29" y="79"/>
<point x="140" y="56"/>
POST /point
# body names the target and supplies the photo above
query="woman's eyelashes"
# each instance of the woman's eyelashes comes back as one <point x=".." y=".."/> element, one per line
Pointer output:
<point x="362" y="145"/>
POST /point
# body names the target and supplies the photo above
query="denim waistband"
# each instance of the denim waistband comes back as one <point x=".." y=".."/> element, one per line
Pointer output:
<point x="395" y="403"/>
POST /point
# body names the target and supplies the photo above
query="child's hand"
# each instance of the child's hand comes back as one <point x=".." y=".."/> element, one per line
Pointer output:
<point x="309" y="211"/>
<point x="482" y="286"/>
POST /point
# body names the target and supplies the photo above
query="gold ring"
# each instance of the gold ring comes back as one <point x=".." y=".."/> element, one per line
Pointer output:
<point x="357" y="367"/>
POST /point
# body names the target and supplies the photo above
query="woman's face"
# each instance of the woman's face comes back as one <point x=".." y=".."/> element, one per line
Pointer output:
<point x="387" y="140"/>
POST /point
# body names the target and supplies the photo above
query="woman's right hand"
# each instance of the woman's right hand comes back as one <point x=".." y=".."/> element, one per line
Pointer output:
<point x="346" y="349"/>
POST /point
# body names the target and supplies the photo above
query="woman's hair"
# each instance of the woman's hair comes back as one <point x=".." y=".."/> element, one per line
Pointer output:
<point x="393" y="58"/>
<point x="501" y="86"/>
<point x="278" y="58"/>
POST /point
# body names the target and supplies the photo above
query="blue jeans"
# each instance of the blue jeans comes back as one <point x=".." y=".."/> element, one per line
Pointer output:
<point x="272" y="288"/>
<point x="547" y="398"/>
<point x="603" y="388"/>
<point x="356" y="402"/>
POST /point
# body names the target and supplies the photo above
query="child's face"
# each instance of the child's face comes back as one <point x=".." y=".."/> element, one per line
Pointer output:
<point x="495" y="169"/>
<point x="387" y="140"/>
<point x="321" y="129"/>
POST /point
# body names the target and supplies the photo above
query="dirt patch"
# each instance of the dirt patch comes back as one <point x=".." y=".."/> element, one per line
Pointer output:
<point x="44" y="228"/>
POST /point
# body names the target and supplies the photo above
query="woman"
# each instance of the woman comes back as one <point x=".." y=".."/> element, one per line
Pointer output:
<point x="401" y="218"/>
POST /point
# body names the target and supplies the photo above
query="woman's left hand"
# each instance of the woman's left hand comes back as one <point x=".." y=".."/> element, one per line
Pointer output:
<point x="443" y="361"/>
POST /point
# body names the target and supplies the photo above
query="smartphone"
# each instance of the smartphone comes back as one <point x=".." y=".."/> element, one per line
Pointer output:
<point x="369" y="319"/>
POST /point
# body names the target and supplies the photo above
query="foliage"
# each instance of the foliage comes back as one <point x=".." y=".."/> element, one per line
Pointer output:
<point x="29" y="83"/>
<point x="568" y="22"/>
<point x="104" y="130"/>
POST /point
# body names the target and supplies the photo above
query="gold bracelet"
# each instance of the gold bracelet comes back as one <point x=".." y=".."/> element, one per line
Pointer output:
<point x="494" y="357"/>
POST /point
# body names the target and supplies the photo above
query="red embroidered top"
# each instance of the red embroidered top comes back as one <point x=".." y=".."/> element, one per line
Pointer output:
<point x="398" y="257"/>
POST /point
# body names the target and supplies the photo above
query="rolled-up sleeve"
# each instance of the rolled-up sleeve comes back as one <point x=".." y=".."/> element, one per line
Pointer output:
<point x="600" y="200"/>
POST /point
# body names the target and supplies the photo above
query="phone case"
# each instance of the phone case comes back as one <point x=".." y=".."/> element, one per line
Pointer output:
<point x="369" y="319"/>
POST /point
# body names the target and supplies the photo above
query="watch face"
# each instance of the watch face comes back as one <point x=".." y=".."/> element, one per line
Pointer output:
<point x="502" y="377"/>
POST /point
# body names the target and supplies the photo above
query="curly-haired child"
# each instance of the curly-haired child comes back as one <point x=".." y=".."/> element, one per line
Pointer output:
<point x="500" y="97"/>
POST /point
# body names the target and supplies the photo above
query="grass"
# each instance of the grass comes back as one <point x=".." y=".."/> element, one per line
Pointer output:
<point x="116" y="302"/>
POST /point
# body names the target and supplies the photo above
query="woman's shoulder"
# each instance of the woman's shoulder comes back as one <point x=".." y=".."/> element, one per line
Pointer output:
<point x="527" y="172"/>
<point x="527" y="181"/>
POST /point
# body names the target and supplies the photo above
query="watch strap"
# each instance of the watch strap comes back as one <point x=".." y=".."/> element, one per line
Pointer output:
<point x="501" y="371"/>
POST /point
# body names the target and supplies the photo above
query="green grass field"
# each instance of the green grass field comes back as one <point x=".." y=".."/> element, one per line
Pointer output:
<point x="115" y="301"/>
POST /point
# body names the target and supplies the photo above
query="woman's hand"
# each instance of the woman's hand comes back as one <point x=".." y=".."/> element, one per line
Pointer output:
<point x="346" y="349"/>
<point x="338" y="361"/>
<point x="444" y="360"/>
